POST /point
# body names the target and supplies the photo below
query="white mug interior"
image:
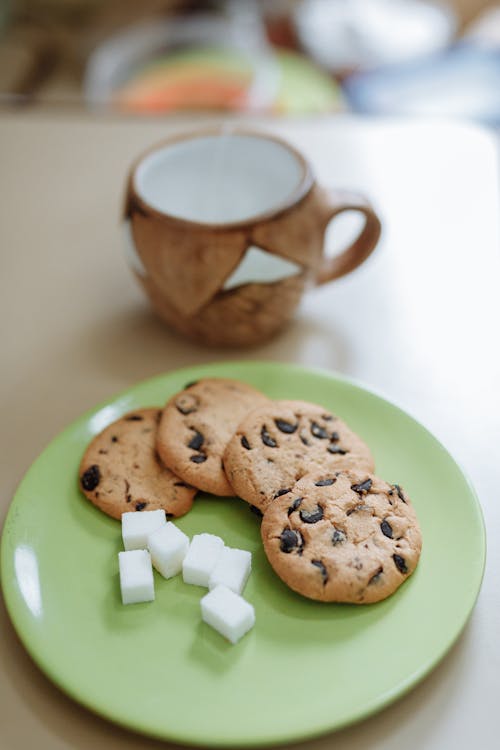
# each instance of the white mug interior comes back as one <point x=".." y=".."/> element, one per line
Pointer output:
<point x="219" y="178"/>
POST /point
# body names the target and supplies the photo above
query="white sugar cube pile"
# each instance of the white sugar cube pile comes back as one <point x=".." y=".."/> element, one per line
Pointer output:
<point x="203" y="554"/>
<point x="168" y="546"/>
<point x="227" y="612"/>
<point x="231" y="569"/>
<point x="149" y="539"/>
<point x="137" y="526"/>
<point x="136" y="576"/>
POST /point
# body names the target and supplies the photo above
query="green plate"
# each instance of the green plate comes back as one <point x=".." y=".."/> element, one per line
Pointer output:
<point x="306" y="667"/>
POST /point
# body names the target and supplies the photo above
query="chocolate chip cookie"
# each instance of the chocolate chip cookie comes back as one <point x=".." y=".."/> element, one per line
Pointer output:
<point x="342" y="537"/>
<point x="280" y="441"/>
<point x="196" y="425"/>
<point x="121" y="471"/>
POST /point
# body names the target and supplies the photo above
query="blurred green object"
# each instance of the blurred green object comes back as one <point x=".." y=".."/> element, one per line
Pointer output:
<point x="304" y="88"/>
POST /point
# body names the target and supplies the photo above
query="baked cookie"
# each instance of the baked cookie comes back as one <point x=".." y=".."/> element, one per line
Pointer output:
<point x="342" y="537"/>
<point x="280" y="441"/>
<point x="121" y="471"/>
<point x="196" y="425"/>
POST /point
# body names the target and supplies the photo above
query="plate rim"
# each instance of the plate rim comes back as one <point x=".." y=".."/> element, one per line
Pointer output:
<point x="355" y="715"/>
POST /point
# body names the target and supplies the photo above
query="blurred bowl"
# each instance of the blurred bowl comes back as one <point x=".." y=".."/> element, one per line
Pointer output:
<point x="348" y="35"/>
<point x="145" y="48"/>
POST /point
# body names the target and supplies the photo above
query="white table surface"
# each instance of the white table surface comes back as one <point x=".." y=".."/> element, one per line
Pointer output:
<point x="417" y="323"/>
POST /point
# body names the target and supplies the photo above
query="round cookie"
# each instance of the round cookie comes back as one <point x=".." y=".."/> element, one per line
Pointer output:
<point x="279" y="442"/>
<point x="196" y="425"/>
<point x="121" y="471"/>
<point x="342" y="537"/>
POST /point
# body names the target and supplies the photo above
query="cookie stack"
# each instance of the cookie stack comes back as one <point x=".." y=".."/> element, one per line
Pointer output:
<point x="331" y="529"/>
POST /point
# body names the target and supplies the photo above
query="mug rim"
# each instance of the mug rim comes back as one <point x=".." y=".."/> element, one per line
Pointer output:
<point x="303" y="188"/>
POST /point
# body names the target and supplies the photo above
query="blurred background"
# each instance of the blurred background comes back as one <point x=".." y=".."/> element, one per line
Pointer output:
<point x="286" y="58"/>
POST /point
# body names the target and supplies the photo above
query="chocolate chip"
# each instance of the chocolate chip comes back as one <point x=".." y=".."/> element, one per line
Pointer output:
<point x="325" y="482"/>
<point x="290" y="540"/>
<point x="91" y="478"/>
<point x="362" y="487"/>
<point x="114" y="439"/>
<point x="256" y="511"/>
<point x="283" y="426"/>
<point x="101" y="450"/>
<point x="318" y="431"/>
<point x="334" y="437"/>
<point x="386" y="528"/>
<point x="335" y="449"/>
<point x="190" y="384"/>
<point x="134" y="418"/>
<point x="196" y="441"/>
<point x="267" y="439"/>
<point x="198" y="458"/>
<point x="245" y="443"/>
<point x="304" y="439"/>
<point x="376" y="576"/>
<point x="400" y="492"/>
<point x="327" y="417"/>
<point x="400" y="563"/>
<point x="140" y="506"/>
<point x="186" y="404"/>
<point x="129" y="498"/>
<point x="324" y="572"/>
<point x="338" y="537"/>
<point x="280" y="493"/>
<point x="312" y="516"/>
<point x="293" y="507"/>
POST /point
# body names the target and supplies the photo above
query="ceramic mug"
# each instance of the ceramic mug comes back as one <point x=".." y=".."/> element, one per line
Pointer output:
<point x="225" y="231"/>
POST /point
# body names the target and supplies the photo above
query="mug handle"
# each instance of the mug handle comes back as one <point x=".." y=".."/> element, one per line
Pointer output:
<point x="335" y="203"/>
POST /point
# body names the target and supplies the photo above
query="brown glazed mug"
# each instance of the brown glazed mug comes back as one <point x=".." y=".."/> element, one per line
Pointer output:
<point x="225" y="231"/>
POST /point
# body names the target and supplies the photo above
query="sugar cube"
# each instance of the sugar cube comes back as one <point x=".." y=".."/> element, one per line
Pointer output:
<point x="138" y="525"/>
<point x="136" y="576"/>
<point x="168" y="546"/>
<point x="201" y="558"/>
<point x="227" y="612"/>
<point x="232" y="569"/>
